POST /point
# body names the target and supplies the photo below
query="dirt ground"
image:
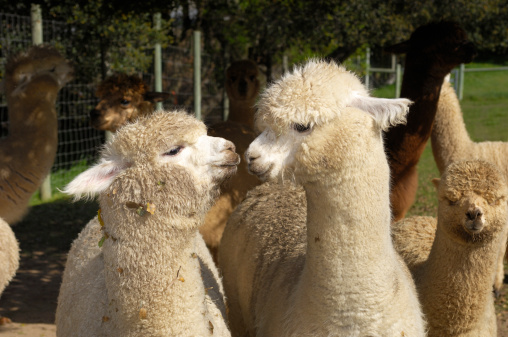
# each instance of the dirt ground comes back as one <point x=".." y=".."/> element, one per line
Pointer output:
<point x="30" y="299"/>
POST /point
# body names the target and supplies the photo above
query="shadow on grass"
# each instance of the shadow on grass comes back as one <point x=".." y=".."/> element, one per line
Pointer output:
<point x="45" y="236"/>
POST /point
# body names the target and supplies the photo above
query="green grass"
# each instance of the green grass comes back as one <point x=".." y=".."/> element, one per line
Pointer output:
<point x="59" y="179"/>
<point x="485" y="109"/>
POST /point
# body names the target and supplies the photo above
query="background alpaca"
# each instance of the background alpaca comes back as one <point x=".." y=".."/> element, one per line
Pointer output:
<point x="153" y="275"/>
<point x="431" y="52"/>
<point x="451" y="142"/>
<point x="454" y="273"/>
<point x="242" y="87"/>
<point x="32" y="81"/>
<point x="123" y="98"/>
<point x="338" y="274"/>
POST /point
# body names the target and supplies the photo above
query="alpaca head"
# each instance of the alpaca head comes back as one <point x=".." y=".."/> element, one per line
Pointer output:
<point x="39" y="66"/>
<point x="123" y="98"/>
<point x="472" y="201"/>
<point x="242" y="82"/>
<point x="444" y="43"/>
<point x="316" y="117"/>
<point x="164" y="158"/>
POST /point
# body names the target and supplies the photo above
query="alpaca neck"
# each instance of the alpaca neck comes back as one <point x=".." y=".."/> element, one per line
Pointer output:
<point x="27" y="154"/>
<point x="154" y="275"/>
<point x="449" y="135"/>
<point x="348" y="238"/>
<point x="422" y="85"/>
<point x="241" y="111"/>
<point x="459" y="276"/>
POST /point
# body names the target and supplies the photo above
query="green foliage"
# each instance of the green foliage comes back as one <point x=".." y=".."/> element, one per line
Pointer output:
<point x="103" y="35"/>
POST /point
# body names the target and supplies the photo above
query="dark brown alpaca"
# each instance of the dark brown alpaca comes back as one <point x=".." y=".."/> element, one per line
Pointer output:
<point x="431" y="52"/>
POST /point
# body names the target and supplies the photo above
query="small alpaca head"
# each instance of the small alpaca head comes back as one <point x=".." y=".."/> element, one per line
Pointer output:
<point x="123" y="98"/>
<point x="42" y="65"/>
<point x="472" y="201"/>
<point x="242" y="80"/>
<point x="444" y="42"/>
<point x="167" y="157"/>
<point x="315" y="116"/>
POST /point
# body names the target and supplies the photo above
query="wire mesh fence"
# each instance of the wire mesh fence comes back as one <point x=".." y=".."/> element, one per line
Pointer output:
<point x="78" y="142"/>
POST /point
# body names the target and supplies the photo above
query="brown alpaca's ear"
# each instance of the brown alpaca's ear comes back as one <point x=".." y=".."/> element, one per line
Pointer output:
<point x="436" y="182"/>
<point x="399" y="48"/>
<point x="154" y="97"/>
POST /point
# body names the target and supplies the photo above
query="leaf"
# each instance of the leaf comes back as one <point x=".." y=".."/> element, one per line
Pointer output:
<point x="141" y="211"/>
<point x="101" y="241"/>
<point x="150" y="208"/>
<point x="99" y="217"/>
<point x="132" y="204"/>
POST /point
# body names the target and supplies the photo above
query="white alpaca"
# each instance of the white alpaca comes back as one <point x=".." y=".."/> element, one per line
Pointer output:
<point x="454" y="259"/>
<point x="339" y="275"/>
<point x="451" y="143"/>
<point x="153" y="275"/>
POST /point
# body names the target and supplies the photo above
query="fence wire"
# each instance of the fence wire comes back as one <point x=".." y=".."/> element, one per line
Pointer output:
<point x="78" y="142"/>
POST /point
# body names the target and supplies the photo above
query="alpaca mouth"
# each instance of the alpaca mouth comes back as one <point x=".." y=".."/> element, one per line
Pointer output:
<point x="261" y="172"/>
<point x="232" y="161"/>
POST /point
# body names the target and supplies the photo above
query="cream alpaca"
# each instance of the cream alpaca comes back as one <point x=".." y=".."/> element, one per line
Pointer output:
<point x="454" y="273"/>
<point x="153" y="275"/>
<point x="339" y="275"/>
<point x="451" y="143"/>
<point x="32" y="81"/>
<point x="9" y="255"/>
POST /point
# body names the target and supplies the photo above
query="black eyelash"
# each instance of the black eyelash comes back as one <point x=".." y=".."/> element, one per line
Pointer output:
<point x="301" y="128"/>
<point x="174" y="151"/>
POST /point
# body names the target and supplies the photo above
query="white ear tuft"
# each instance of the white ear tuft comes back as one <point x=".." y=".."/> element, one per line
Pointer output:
<point x="94" y="180"/>
<point x="386" y="112"/>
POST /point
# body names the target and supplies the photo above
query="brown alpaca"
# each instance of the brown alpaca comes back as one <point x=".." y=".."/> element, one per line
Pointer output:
<point x="451" y="142"/>
<point x="431" y="52"/>
<point x="454" y="259"/>
<point x="242" y="87"/>
<point x="32" y="82"/>
<point x="123" y="98"/>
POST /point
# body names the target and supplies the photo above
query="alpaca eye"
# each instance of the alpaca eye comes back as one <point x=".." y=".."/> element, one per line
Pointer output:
<point x="174" y="151"/>
<point x="252" y="78"/>
<point x="451" y="202"/>
<point x="301" y="128"/>
<point x="125" y="102"/>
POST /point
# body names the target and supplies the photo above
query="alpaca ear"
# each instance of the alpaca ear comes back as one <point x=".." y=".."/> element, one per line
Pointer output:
<point x="154" y="97"/>
<point x="399" y="48"/>
<point x="436" y="182"/>
<point x="94" y="180"/>
<point x="386" y="112"/>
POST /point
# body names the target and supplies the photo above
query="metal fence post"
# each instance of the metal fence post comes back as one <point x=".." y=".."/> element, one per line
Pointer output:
<point x="461" y="80"/>
<point x="367" y="67"/>
<point x="197" y="74"/>
<point x="158" y="60"/>
<point x="398" y="80"/>
<point x="36" y="20"/>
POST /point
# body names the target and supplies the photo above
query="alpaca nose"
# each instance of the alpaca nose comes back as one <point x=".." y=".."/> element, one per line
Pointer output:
<point x="250" y="157"/>
<point x="474" y="214"/>
<point x="229" y="146"/>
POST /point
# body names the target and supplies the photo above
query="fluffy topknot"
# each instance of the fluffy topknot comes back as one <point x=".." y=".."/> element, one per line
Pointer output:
<point x="121" y="83"/>
<point x="476" y="176"/>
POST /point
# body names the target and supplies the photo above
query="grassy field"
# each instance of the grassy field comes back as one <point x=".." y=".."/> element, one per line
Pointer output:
<point x="485" y="109"/>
